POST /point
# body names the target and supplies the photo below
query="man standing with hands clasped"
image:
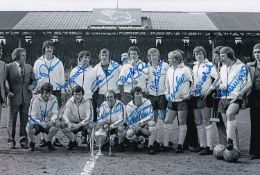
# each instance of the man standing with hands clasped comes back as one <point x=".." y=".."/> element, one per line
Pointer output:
<point x="20" y="77"/>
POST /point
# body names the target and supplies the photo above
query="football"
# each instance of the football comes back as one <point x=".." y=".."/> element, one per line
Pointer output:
<point x="231" y="155"/>
<point x="218" y="151"/>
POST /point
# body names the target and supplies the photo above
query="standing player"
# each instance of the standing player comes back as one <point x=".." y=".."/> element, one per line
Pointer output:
<point x="156" y="86"/>
<point x="178" y="81"/>
<point x="107" y="72"/>
<point x="132" y="74"/>
<point x="236" y="81"/>
<point x="83" y="75"/>
<point x="156" y="83"/>
<point x="203" y="72"/>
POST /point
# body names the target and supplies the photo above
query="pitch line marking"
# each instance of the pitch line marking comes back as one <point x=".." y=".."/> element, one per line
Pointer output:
<point x="89" y="166"/>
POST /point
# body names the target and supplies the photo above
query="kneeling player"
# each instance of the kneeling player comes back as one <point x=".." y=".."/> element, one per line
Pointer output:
<point x="43" y="117"/>
<point x="78" y="115"/>
<point x="111" y="117"/>
<point x="139" y="119"/>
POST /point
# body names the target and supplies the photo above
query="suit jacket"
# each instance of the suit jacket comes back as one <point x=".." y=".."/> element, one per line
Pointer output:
<point x="18" y="85"/>
<point x="2" y="80"/>
<point x="252" y="66"/>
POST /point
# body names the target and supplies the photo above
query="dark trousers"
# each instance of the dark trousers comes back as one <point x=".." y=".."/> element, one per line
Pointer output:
<point x="0" y="111"/>
<point x="255" y="125"/>
<point x="1" y="103"/>
<point x="94" y="104"/>
<point x="11" y="123"/>
<point x="222" y="134"/>
<point x="192" y="134"/>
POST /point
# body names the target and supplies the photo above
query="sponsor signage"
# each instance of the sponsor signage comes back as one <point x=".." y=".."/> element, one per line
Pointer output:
<point x="116" y="17"/>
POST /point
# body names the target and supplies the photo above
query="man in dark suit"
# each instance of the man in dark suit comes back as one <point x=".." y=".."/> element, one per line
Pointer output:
<point x="2" y="82"/>
<point x="20" y="77"/>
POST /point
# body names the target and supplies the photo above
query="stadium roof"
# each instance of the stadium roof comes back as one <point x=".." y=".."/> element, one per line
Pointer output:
<point x="151" y="20"/>
<point x="54" y="21"/>
<point x="9" y="19"/>
<point x="235" y="21"/>
<point x="180" y="21"/>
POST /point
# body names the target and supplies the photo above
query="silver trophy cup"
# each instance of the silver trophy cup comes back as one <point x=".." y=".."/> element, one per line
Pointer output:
<point x="101" y="138"/>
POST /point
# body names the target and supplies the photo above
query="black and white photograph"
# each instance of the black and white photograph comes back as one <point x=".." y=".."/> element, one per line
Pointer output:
<point x="129" y="87"/>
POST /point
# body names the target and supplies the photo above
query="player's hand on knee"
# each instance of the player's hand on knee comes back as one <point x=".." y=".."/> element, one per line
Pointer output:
<point x="56" y="123"/>
<point x="121" y="128"/>
<point x="145" y="131"/>
<point x="43" y="124"/>
<point x="77" y="126"/>
<point x="112" y="126"/>
<point x="72" y="127"/>
<point x="130" y="133"/>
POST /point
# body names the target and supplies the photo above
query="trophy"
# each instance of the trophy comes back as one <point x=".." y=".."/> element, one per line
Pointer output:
<point x="100" y="137"/>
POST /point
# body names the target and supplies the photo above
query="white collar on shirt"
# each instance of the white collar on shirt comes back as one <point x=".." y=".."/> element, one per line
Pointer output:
<point x="17" y="64"/>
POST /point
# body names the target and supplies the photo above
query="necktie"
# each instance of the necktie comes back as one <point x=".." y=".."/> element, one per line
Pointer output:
<point x="22" y="71"/>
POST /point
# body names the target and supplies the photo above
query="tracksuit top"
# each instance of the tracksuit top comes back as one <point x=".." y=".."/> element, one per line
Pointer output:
<point x="128" y="74"/>
<point x="234" y="80"/>
<point x="203" y="74"/>
<point x="156" y="78"/>
<point x="51" y="71"/>
<point x="114" y="115"/>
<point x="107" y="81"/>
<point x="178" y="83"/>
<point x="84" y="77"/>
<point x="142" y="114"/>
<point x="41" y="111"/>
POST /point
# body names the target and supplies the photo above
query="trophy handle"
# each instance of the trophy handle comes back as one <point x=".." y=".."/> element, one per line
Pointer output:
<point x="92" y="142"/>
<point x="109" y="140"/>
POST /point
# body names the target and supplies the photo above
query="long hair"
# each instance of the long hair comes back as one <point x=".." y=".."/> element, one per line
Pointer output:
<point x="198" y="49"/>
<point x="16" y="53"/>
<point x="45" y="44"/>
<point x="82" y="54"/>
<point x="151" y="51"/>
<point x="229" y="51"/>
